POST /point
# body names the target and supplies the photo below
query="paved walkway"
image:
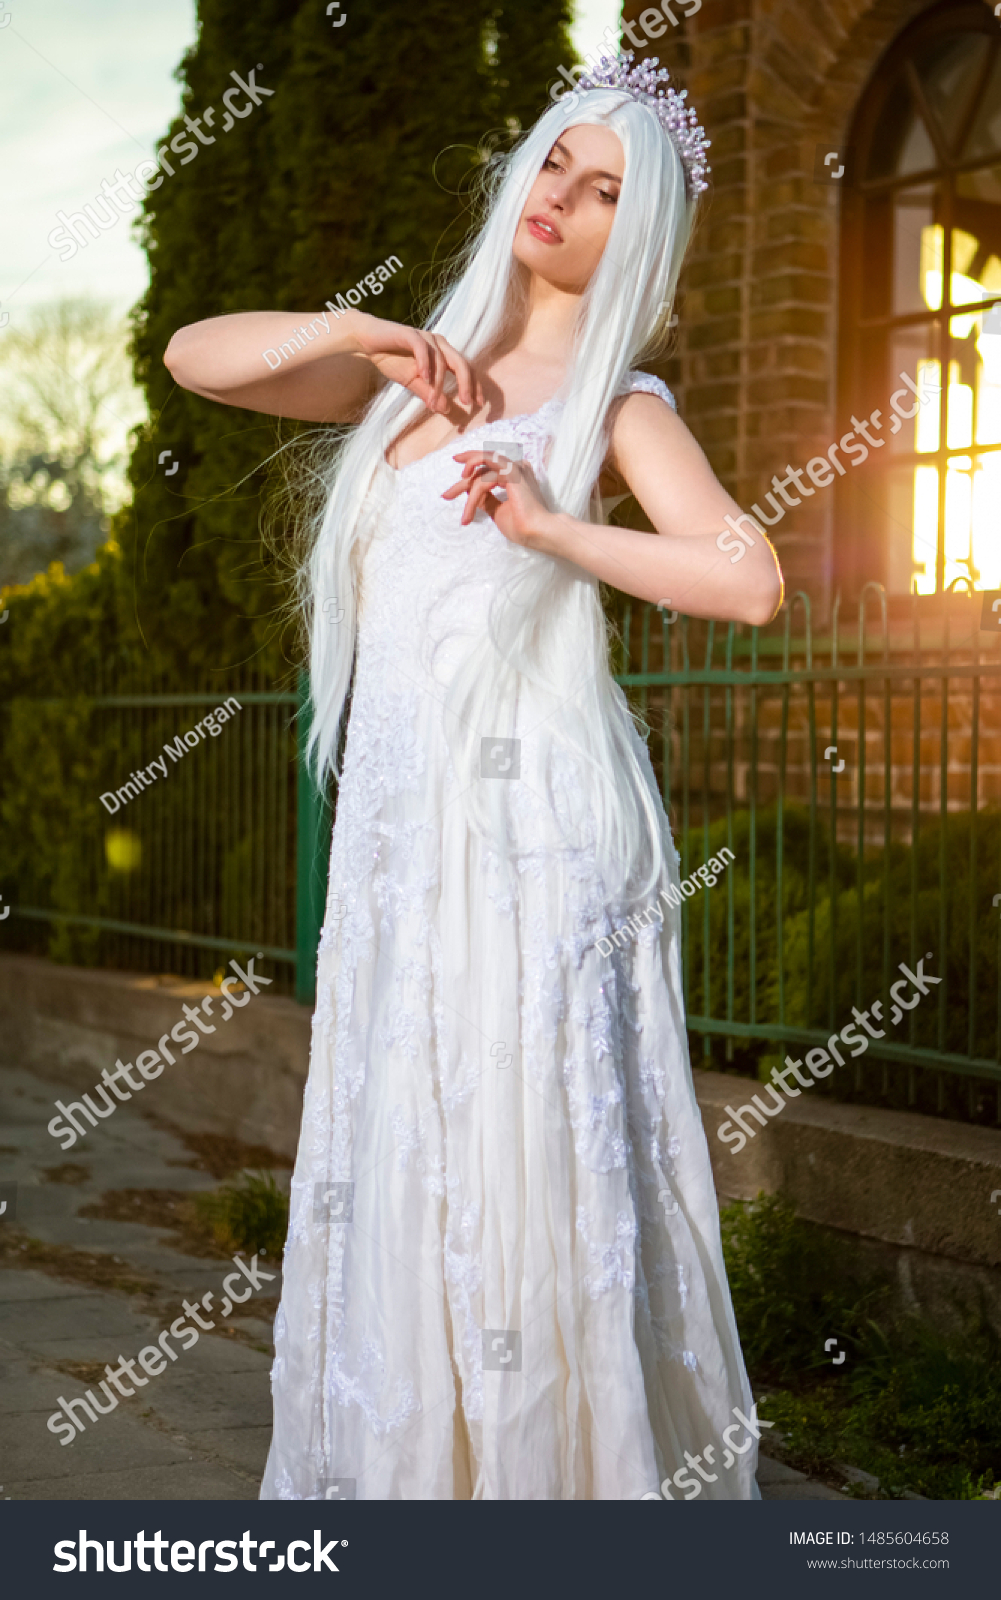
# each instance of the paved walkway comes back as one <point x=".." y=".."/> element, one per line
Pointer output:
<point x="105" y="1290"/>
<point x="78" y="1294"/>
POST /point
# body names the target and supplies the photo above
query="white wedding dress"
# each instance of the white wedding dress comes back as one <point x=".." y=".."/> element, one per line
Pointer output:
<point x="503" y="1277"/>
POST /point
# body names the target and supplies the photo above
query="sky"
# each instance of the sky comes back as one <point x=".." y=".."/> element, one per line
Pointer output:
<point x="85" y="88"/>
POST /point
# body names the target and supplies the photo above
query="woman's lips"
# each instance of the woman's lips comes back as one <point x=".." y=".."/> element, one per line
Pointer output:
<point x="547" y="232"/>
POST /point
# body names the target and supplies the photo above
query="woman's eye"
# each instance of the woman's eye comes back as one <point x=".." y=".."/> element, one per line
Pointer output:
<point x="550" y="164"/>
<point x="605" y="196"/>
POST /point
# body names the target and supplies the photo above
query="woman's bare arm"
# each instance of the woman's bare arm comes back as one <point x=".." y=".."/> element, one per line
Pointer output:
<point x="698" y="564"/>
<point x="710" y="570"/>
<point x="315" y="367"/>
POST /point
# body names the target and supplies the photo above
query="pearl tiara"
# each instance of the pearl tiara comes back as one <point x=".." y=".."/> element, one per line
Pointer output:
<point x="642" y="83"/>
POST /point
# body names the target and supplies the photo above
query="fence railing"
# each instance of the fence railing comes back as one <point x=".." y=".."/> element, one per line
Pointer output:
<point x="857" y="779"/>
<point x="216" y="848"/>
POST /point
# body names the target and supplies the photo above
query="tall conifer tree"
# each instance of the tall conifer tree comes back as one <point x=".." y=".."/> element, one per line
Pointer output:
<point x="364" y="149"/>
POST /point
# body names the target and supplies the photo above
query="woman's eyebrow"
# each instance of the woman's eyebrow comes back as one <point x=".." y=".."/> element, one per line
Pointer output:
<point x="614" y="177"/>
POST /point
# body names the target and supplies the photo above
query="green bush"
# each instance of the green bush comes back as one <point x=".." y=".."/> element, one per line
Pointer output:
<point x="52" y="769"/>
<point x="709" y="911"/>
<point x="211" y="847"/>
<point x="918" y="1409"/>
<point x="251" y="1214"/>
<point x="793" y="1288"/>
<point x="951" y="894"/>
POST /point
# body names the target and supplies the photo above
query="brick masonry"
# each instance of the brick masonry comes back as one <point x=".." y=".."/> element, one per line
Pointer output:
<point x="755" y="366"/>
<point x="898" y="759"/>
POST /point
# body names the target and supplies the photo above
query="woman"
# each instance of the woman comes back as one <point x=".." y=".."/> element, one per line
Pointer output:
<point x="503" y="1277"/>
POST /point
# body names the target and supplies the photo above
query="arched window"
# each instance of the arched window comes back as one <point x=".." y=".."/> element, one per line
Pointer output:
<point x="921" y="312"/>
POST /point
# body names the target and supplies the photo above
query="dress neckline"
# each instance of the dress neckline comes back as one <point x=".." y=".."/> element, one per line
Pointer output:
<point x="521" y="416"/>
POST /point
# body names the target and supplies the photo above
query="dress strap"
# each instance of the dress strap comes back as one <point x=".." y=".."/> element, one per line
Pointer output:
<point x="646" y="383"/>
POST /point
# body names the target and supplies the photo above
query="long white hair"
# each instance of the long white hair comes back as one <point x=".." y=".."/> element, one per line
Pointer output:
<point x="549" y="618"/>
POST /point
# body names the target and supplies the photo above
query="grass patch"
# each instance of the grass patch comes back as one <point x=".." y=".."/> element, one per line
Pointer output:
<point x="251" y="1214"/>
<point x="919" y="1410"/>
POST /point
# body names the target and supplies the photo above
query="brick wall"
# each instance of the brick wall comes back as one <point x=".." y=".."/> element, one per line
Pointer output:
<point x="760" y="742"/>
<point x="754" y="760"/>
<point x="755" y="366"/>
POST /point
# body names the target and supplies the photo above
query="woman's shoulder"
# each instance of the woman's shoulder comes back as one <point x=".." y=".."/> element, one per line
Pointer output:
<point x="646" y="383"/>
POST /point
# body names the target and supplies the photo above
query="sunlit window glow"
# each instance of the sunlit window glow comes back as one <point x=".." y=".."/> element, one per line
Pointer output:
<point x="989" y="385"/>
<point x="972" y="545"/>
<point x="925" y="537"/>
<point x="958" y="509"/>
<point x="926" y="421"/>
<point x="959" y="431"/>
<point x="986" y="539"/>
<point x="963" y="288"/>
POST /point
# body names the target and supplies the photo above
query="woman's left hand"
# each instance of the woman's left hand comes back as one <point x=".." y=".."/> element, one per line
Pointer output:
<point x="523" y="516"/>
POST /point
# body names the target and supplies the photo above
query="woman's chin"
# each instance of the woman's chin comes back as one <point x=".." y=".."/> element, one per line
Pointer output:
<point x="532" y="252"/>
<point x="546" y="261"/>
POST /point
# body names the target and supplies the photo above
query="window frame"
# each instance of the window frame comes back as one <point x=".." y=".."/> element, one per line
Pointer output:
<point x="862" y="528"/>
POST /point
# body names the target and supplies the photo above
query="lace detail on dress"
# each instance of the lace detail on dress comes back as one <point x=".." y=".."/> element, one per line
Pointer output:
<point x="418" y="1139"/>
<point x="646" y="383"/>
<point x="616" y="1261"/>
<point x="504" y="1111"/>
<point x="364" y="1387"/>
<point x="464" y="1275"/>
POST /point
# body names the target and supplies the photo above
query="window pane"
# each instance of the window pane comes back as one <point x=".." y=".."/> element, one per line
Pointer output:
<point x="913" y="390"/>
<point x="982" y="185"/>
<point x="975" y="266"/>
<point x="958" y="518"/>
<point x="917" y="250"/>
<point x="919" y="254"/>
<point x="912" y="529"/>
<point x="985" y="135"/>
<point x="959" y="425"/>
<point x="949" y="70"/>
<point x="900" y="142"/>
<point x="988" y="379"/>
<point x="976" y="240"/>
<point x="972" y="547"/>
<point x="986" y="500"/>
<point x="974" y="383"/>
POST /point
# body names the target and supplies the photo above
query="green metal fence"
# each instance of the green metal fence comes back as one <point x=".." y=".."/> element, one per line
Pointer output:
<point x="840" y="875"/>
<point x="222" y="854"/>
<point x="854" y="774"/>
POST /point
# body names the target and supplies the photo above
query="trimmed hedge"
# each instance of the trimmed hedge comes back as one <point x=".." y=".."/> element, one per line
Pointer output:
<point x="956" y="896"/>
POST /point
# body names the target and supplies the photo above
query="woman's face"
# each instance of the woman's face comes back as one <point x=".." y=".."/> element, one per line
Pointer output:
<point x="568" y="215"/>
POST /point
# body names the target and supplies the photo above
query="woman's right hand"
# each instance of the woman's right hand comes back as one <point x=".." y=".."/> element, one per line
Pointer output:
<point x="418" y="361"/>
<point x="318" y="378"/>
